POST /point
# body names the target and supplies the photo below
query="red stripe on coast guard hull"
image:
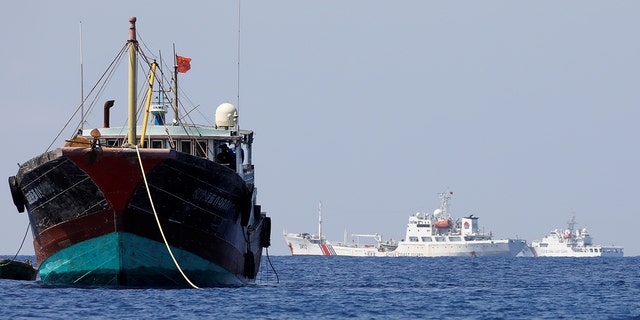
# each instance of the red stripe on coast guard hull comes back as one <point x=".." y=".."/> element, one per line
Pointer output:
<point x="325" y="250"/>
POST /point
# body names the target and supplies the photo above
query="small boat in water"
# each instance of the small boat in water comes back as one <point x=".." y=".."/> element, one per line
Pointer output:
<point x="17" y="270"/>
<point x="572" y="242"/>
<point x="164" y="205"/>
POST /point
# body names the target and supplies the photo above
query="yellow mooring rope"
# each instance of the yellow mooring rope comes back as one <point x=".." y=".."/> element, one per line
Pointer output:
<point x="158" y="221"/>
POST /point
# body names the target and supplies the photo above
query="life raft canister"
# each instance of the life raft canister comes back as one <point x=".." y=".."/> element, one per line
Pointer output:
<point x="16" y="194"/>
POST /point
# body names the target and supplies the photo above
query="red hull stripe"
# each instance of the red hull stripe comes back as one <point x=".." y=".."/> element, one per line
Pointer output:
<point x="325" y="250"/>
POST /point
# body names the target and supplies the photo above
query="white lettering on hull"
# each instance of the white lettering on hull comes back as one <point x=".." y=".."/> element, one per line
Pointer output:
<point x="206" y="196"/>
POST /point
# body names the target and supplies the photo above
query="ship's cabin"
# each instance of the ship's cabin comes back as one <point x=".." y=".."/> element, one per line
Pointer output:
<point x="222" y="143"/>
<point x="231" y="148"/>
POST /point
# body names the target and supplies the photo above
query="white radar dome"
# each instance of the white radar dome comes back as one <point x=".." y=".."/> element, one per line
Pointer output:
<point x="158" y="109"/>
<point x="437" y="212"/>
<point x="226" y="115"/>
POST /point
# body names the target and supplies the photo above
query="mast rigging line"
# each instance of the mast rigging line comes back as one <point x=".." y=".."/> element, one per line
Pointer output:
<point x="164" y="79"/>
<point x="100" y="86"/>
<point x="20" y="248"/>
<point x="140" y="93"/>
<point x="106" y="75"/>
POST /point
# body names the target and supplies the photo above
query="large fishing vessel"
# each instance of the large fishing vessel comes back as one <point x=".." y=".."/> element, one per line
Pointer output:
<point x="169" y="204"/>
<point x="305" y="244"/>
<point x="427" y="235"/>
<point x="572" y="242"/>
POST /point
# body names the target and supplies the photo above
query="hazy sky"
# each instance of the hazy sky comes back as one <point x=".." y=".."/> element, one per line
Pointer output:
<point x="526" y="110"/>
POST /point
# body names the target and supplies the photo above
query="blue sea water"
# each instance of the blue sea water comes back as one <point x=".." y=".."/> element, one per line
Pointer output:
<point x="364" y="288"/>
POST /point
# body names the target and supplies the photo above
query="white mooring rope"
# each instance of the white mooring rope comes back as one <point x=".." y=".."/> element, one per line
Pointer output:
<point x="158" y="221"/>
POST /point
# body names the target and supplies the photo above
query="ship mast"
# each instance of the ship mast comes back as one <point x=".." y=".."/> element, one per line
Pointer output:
<point x="445" y="197"/>
<point x="133" y="47"/>
<point x="572" y="221"/>
<point x="320" y="221"/>
<point x="176" y="117"/>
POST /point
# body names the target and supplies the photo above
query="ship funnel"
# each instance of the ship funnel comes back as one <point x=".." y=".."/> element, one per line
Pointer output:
<point x="107" y="106"/>
<point x="470" y="225"/>
<point x="226" y="115"/>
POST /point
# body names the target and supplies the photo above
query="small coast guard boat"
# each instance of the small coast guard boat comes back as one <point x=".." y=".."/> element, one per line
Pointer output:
<point x="572" y="242"/>
<point x="305" y="244"/>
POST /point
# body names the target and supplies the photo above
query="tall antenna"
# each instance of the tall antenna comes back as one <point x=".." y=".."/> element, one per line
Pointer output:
<point x="238" y="84"/>
<point x="81" y="82"/>
<point x="320" y="221"/>
<point x="176" y="118"/>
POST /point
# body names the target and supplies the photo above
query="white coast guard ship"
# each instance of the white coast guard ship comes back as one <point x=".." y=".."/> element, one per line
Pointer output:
<point x="438" y="235"/>
<point x="305" y="244"/>
<point x="572" y="243"/>
<point x="427" y="235"/>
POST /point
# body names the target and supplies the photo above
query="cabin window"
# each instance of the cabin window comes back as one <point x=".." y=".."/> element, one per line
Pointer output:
<point x="156" y="144"/>
<point x="413" y="239"/>
<point x="201" y="148"/>
<point x="426" y="239"/>
<point x="185" y="146"/>
<point x="112" y="143"/>
<point x="439" y="239"/>
<point x="453" y="239"/>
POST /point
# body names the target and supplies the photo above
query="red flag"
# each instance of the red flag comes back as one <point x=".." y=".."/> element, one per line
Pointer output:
<point x="184" y="64"/>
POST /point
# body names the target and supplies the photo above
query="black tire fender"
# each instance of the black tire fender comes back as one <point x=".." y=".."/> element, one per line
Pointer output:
<point x="16" y="194"/>
<point x="265" y="233"/>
